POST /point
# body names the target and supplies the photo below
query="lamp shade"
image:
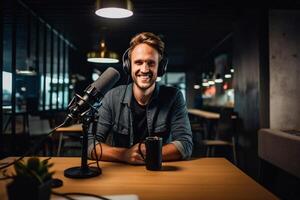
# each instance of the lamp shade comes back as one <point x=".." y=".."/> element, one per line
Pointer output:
<point x="114" y="8"/>
<point x="103" y="55"/>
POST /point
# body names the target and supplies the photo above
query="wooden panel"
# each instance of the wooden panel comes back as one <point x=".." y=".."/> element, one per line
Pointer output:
<point x="250" y="85"/>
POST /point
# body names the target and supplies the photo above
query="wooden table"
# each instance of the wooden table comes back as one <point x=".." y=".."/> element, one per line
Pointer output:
<point x="206" y="114"/>
<point x="204" y="178"/>
<point x="209" y="123"/>
<point x="72" y="128"/>
<point x="75" y="128"/>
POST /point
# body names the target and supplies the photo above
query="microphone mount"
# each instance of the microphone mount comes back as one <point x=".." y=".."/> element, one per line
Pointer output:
<point x="87" y="117"/>
<point x="85" y="109"/>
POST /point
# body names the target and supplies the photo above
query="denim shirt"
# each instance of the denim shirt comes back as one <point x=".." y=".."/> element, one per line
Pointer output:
<point x="167" y="117"/>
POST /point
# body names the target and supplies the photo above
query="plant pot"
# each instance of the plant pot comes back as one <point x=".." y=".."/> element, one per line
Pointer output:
<point x="20" y="190"/>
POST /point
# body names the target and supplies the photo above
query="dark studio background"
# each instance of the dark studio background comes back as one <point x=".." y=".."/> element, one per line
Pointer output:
<point x="261" y="41"/>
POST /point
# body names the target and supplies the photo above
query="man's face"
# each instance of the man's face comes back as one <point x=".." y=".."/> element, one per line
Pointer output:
<point x="144" y="66"/>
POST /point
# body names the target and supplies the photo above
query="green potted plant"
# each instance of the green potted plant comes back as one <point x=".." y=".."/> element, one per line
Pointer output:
<point x="32" y="180"/>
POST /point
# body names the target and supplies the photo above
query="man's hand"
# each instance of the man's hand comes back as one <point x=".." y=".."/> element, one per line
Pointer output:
<point x="133" y="156"/>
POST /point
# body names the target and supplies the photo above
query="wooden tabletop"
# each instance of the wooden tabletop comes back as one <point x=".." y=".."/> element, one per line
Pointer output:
<point x="204" y="178"/>
<point x="206" y="114"/>
<point x="72" y="128"/>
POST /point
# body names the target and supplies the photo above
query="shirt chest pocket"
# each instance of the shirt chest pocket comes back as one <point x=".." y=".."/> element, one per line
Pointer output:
<point x="120" y="129"/>
<point x="160" y="128"/>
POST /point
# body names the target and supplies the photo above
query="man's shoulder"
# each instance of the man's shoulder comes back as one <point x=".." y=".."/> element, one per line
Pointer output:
<point x="119" y="88"/>
<point x="116" y="92"/>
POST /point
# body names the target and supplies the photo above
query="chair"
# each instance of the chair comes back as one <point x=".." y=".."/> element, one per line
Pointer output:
<point x="197" y="125"/>
<point x="197" y="133"/>
<point x="38" y="129"/>
<point x="70" y="135"/>
<point x="223" y="136"/>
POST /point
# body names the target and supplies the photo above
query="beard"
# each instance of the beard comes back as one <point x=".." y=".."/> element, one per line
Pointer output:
<point x="144" y="80"/>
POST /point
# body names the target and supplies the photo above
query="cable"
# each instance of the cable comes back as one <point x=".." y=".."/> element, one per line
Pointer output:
<point x="94" y="135"/>
<point x="94" y="148"/>
<point x="62" y="195"/>
<point x="67" y="194"/>
<point x="34" y="147"/>
<point x="5" y="176"/>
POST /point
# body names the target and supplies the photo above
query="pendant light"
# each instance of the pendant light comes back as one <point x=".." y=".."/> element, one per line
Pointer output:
<point x="103" y="55"/>
<point x="114" y="8"/>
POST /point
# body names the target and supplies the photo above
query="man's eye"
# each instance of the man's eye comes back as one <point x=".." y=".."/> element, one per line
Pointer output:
<point x="139" y="62"/>
<point x="151" y="63"/>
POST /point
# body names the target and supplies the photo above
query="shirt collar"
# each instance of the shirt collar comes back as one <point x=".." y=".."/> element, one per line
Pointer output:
<point x="128" y="94"/>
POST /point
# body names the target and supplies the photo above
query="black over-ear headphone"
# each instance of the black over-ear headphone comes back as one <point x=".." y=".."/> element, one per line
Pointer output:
<point x="162" y="66"/>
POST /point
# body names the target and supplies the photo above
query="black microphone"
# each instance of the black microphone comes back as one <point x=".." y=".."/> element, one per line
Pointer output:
<point x="93" y="93"/>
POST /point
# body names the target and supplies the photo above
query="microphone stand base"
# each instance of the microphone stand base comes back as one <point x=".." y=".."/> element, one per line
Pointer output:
<point x="79" y="172"/>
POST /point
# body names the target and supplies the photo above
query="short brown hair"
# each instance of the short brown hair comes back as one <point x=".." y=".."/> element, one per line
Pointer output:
<point x="147" y="38"/>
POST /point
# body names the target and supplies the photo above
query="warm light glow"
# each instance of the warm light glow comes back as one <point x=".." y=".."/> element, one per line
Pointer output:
<point x="228" y="76"/>
<point x="205" y="84"/>
<point x="225" y="86"/>
<point x="114" y="13"/>
<point x="103" y="56"/>
<point x="196" y="87"/>
<point x="210" y="91"/>
<point x="211" y="82"/>
<point x="102" y="44"/>
<point x="103" y="60"/>
<point x="231" y="70"/>
<point x="219" y="80"/>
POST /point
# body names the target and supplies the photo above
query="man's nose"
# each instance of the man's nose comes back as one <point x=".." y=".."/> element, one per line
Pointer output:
<point x="145" y="67"/>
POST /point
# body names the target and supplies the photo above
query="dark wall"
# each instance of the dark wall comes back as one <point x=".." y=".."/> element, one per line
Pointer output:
<point x="191" y="79"/>
<point x="284" y="94"/>
<point x="266" y="62"/>
<point x="249" y="60"/>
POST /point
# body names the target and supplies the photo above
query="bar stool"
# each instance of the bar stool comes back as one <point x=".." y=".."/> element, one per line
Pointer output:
<point x="39" y="129"/>
<point x="224" y="135"/>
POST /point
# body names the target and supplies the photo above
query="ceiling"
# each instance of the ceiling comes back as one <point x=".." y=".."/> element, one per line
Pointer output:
<point x="191" y="29"/>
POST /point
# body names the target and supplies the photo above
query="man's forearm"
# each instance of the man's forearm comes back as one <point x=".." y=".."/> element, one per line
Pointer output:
<point x="117" y="154"/>
<point x="109" y="153"/>
<point x="170" y="152"/>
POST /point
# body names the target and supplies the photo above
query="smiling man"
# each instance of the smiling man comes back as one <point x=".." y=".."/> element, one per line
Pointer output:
<point x="129" y="113"/>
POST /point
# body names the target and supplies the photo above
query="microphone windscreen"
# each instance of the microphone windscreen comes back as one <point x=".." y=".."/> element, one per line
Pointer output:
<point x="106" y="80"/>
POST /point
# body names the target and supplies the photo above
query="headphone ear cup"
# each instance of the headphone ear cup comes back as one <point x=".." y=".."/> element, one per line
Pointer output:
<point x="126" y="66"/>
<point x="162" y="67"/>
<point x="126" y="62"/>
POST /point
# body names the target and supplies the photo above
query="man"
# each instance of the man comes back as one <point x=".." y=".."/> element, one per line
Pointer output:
<point x="143" y="108"/>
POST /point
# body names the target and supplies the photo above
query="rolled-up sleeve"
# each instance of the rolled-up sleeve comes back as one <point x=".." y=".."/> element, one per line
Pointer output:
<point x="180" y="127"/>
